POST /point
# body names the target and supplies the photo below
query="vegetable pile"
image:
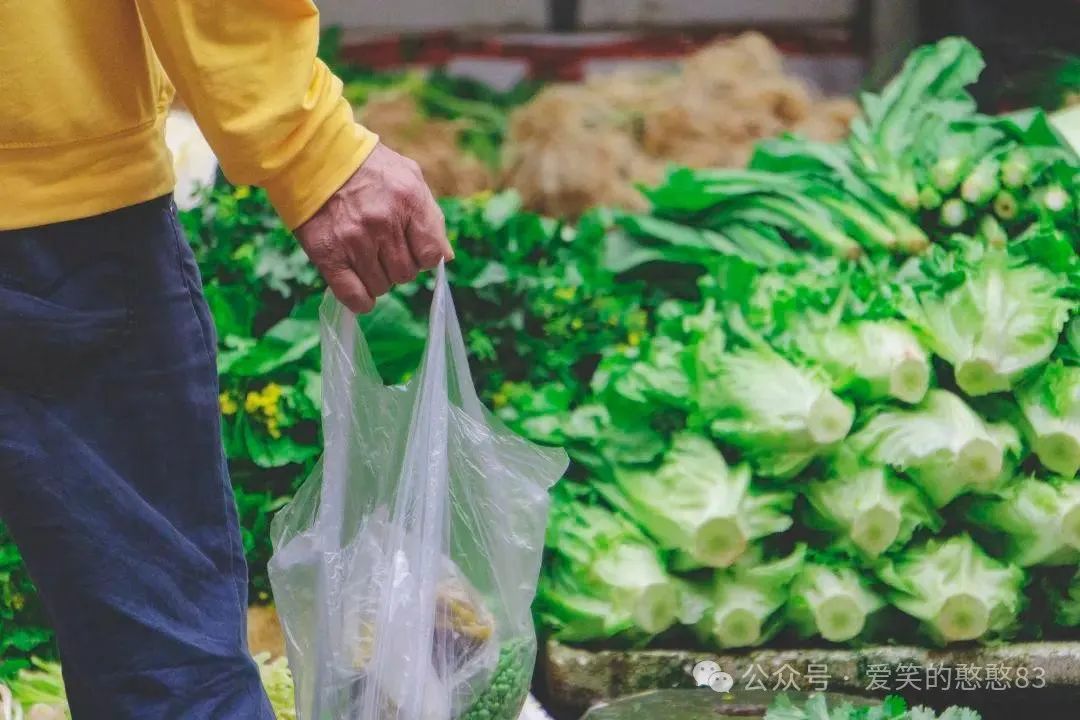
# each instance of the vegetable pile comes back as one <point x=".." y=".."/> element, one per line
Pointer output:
<point x="856" y="413"/>
<point x="832" y="395"/>
<point x="893" y="708"/>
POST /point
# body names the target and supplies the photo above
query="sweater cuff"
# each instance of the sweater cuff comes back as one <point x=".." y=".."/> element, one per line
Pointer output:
<point x="327" y="161"/>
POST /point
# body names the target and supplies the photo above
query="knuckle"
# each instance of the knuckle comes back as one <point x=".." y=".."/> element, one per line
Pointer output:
<point x="404" y="193"/>
<point x="324" y="250"/>
<point x="378" y="218"/>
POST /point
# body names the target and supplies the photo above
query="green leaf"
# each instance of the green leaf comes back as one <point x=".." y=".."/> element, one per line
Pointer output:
<point x="395" y="338"/>
<point x="233" y="308"/>
<point x="286" y="342"/>
<point x="500" y="208"/>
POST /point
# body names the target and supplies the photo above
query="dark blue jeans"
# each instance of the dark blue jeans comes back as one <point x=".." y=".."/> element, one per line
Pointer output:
<point x="112" y="476"/>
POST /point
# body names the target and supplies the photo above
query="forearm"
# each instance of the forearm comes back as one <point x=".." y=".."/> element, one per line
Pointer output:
<point x="273" y="113"/>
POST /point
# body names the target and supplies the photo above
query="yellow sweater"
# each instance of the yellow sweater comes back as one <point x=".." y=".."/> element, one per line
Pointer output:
<point x="83" y="99"/>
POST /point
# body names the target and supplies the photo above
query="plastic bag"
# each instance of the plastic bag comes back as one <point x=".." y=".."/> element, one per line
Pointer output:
<point x="405" y="567"/>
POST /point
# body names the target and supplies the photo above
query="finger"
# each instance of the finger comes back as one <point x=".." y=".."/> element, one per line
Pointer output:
<point x="398" y="262"/>
<point x="426" y="236"/>
<point x="374" y="277"/>
<point x="362" y="249"/>
<point x="350" y="290"/>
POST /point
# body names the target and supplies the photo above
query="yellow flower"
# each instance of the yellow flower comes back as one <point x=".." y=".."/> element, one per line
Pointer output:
<point x="272" y="392"/>
<point x="499" y="400"/>
<point x="228" y="404"/>
<point x="18" y="601"/>
<point x="252" y="402"/>
<point x="577" y="324"/>
<point x="272" y="428"/>
<point x="566" y="294"/>
<point x="633" y="338"/>
<point x="242" y="192"/>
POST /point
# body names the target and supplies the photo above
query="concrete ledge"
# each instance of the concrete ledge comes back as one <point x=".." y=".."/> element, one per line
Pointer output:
<point x="999" y="680"/>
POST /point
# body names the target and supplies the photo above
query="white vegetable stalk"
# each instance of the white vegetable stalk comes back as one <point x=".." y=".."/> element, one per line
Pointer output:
<point x="604" y="576"/>
<point x="1016" y="170"/>
<point x="1040" y="520"/>
<point x="1051" y="409"/>
<point x="942" y="445"/>
<point x="945" y="174"/>
<point x="956" y="589"/>
<point x="908" y="192"/>
<point x="869" y="509"/>
<point x="696" y="505"/>
<point x="930" y="198"/>
<point x="992" y="233"/>
<point x="833" y="602"/>
<point x="744" y="600"/>
<point x="1006" y="206"/>
<point x="982" y="183"/>
<point x="640" y="587"/>
<point x="877" y="359"/>
<point x="1055" y="198"/>
<point x="954" y="213"/>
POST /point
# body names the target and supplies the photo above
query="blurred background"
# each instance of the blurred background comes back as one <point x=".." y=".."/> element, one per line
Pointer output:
<point x="570" y="101"/>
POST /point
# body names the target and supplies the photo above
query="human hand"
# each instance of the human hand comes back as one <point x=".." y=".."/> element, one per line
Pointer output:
<point x="381" y="228"/>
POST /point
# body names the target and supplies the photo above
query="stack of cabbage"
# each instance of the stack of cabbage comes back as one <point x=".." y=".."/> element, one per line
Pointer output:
<point x="868" y="407"/>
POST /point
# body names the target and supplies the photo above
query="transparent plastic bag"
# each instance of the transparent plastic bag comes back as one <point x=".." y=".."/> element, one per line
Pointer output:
<point x="405" y="567"/>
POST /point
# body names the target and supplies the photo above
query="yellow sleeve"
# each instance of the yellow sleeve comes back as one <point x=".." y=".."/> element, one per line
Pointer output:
<point x="272" y="112"/>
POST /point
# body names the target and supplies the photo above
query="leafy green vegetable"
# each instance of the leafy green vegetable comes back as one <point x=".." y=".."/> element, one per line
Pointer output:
<point x="40" y="690"/>
<point x="277" y="679"/>
<point x="780" y="415"/>
<point x="831" y="601"/>
<point x="739" y="606"/>
<point x="893" y="707"/>
<point x="872" y="359"/>
<point x="942" y="445"/>
<point x="604" y="578"/>
<point x="955" y="589"/>
<point x="1040" y="521"/>
<point x="1051" y="408"/>
<point x="869" y="509"/>
<point x="904" y="123"/>
<point x="695" y="504"/>
<point x="1003" y="320"/>
<point x="1067" y="606"/>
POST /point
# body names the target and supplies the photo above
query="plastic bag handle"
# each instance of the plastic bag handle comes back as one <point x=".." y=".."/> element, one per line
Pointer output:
<point x="445" y="368"/>
<point x="443" y="305"/>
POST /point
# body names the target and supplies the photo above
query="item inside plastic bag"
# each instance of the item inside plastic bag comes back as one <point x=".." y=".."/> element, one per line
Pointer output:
<point x="405" y="567"/>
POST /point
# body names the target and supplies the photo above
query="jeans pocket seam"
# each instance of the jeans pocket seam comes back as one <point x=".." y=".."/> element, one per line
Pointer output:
<point x="178" y="260"/>
<point x="227" y="495"/>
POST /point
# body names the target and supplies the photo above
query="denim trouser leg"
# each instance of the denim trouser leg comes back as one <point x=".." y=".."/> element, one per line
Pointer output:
<point x="112" y="477"/>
